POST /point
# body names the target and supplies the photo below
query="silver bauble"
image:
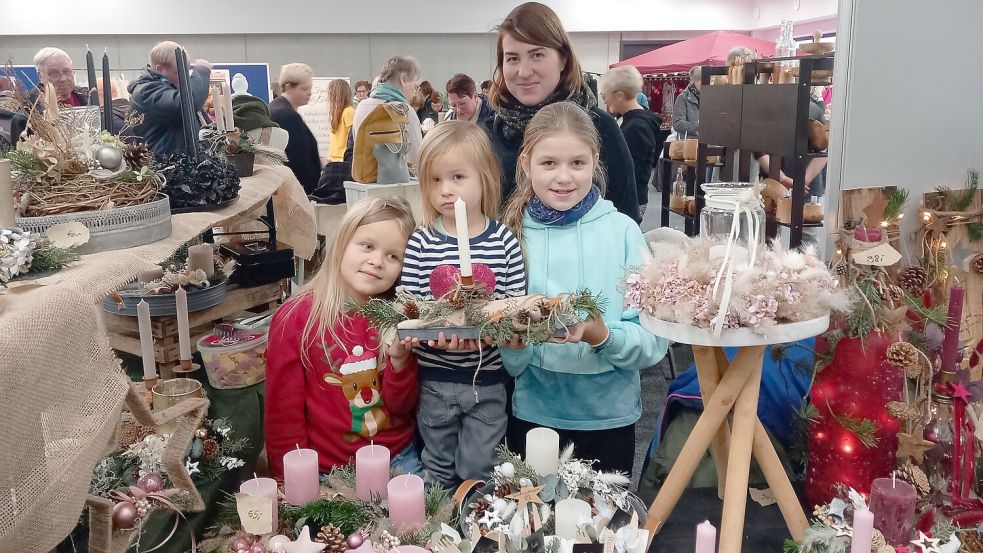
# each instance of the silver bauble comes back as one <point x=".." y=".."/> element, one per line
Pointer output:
<point x="109" y="157"/>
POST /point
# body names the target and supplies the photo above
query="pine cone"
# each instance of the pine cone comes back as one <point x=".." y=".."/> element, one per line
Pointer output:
<point x="896" y="293"/>
<point x="503" y="490"/>
<point x="840" y="269"/>
<point x="332" y="536"/>
<point x="130" y="432"/>
<point x="456" y="302"/>
<point x="913" y="280"/>
<point x="877" y="540"/>
<point x="136" y="155"/>
<point x="977" y="263"/>
<point x="886" y="549"/>
<point x="850" y="224"/>
<point x="210" y="449"/>
<point x="479" y="507"/>
<point x="915" y="476"/>
<point x="902" y="411"/>
<point x="411" y="310"/>
<point x="902" y="355"/>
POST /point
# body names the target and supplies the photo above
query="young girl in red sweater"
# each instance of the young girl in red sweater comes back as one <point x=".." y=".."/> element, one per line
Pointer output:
<point x="328" y="385"/>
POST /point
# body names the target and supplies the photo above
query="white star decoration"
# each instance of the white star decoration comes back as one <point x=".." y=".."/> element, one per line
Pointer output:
<point x="926" y="544"/>
<point x="303" y="543"/>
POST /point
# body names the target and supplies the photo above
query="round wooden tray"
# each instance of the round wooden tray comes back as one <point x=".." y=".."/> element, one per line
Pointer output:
<point x="694" y="335"/>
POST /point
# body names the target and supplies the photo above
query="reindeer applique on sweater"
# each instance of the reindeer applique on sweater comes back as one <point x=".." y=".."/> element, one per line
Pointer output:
<point x="358" y="378"/>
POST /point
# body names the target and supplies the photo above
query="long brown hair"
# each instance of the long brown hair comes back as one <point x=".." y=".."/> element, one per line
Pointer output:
<point x="561" y="117"/>
<point x="326" y="290"/>
<point x="467" y="138"/>
<point x="538" y="24"/>
<point x="339" y="99"/>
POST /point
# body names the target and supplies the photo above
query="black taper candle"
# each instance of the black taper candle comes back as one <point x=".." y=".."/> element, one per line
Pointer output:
<point x="107" y="96"/>
<point x="185" y="96"/>
<point x="90" y="71"/>
<point x="192" y="110"/>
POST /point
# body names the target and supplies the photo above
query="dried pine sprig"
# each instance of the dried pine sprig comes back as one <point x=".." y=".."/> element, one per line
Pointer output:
<point x="382" y="314"/>
<point x="960" y="200"/>
<point x="522" y="470"/>
<point x="348" y="515"/>
<point x="864" y="429"/>
<point x="938" y="315"/>
<point x="435" y="498"/>
<point x="50" y="258"/>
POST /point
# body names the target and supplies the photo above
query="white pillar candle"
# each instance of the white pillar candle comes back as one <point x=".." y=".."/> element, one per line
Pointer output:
<point x="569" y="513"/>
<point x="230" y="123"/>
<point x="146" y="341"/>
<point x="7" y="216"/>
<point x="463" y="240"/>
<point x="202" y="257"/>
<point x="183" y="330"/>
<point x="543" y="450"/>
<point x="219" y="107"/>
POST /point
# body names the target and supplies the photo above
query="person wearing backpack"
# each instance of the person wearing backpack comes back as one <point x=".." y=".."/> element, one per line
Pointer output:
<point x="397" y="83"/>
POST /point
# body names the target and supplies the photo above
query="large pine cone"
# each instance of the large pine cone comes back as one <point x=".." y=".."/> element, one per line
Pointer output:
<point x="903" y="411"/>
<point x="915" y="476"/>
<point x="411" y="310"/>
<point x="331" y="536"/>
<point x="913" y="280"/>
<point x="977" y="263"/>
<point x="902" y="355"/>
<point x="210" y="449"/>
<point x="136" y="155"/>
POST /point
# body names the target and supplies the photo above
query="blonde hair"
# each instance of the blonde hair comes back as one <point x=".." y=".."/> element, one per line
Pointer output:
<point x="295" y="74"/>
<point x="326" y="290"/>
<point x="339" y="99"/>
<point x="398" y="66"/>
<point x="163" y="54"/>
<point x="626" y="80"/>
<point x="551" y="120"/>
<point x="695" y="73"/>
<point x="466" y="138"/>
<point x="535" y="23"/>
<point x="740" y="52"/>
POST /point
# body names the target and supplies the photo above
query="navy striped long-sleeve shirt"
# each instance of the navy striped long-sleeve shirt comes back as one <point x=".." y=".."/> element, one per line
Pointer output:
<point x="499" y="250"/>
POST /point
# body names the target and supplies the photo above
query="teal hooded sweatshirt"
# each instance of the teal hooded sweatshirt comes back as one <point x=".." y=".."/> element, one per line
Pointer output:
<point x="568" y="386"/>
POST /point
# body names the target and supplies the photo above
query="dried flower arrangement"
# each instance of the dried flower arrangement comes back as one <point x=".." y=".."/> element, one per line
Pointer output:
<point x="676" y="284"/>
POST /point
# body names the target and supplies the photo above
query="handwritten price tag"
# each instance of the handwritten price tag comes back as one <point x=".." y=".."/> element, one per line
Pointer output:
<point x="255" y="513"/>
<point x="68" y="235"/>
<point x="881" y="256"/>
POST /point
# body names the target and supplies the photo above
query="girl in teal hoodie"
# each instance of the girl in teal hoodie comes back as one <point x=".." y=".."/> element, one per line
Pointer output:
<point x="585" y="387"/>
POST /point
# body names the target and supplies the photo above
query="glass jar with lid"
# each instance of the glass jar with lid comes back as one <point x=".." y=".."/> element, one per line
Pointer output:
<point x="726" y="200"/>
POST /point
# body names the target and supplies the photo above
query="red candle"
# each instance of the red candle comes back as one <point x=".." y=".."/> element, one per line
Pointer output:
<point x="893" y="503"/>
<point x="950" y="343"/>
<point x="865" y="234"/>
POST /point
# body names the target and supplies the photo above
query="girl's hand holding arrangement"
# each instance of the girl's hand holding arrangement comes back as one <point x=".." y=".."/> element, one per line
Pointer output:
<point x="400" y="351"/>
<point x="458" y="344"/>
<point x="592" y="331"/>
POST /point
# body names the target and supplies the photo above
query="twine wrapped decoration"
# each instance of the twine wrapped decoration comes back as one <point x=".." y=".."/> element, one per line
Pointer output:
<point x="189" y="414"/>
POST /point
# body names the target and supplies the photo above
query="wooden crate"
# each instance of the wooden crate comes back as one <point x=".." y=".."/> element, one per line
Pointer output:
<point x="124" y="332"/>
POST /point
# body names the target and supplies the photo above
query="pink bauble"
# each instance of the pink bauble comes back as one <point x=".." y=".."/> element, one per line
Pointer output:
<point x="124" y="515"/>
<point x="240" y="544"/>
<point x="443" y="279"/>
<point x="355" y="540"/>
<point x="151" y="482"/>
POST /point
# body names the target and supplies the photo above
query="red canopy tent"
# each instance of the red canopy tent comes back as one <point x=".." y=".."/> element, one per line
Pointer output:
<point x="706" y="49"/>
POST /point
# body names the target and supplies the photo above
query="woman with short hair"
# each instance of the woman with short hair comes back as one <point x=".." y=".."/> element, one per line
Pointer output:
<point x="536" y="67"/>
<point x="303" y="159"/>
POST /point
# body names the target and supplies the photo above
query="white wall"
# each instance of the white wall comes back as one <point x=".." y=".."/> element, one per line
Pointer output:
<point x="890" y="126"/>
<point x="59" y="17"/>
<point x="770" y="13"/>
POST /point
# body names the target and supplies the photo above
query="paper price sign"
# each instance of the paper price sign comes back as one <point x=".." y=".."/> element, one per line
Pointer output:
<point x="881" y="256"/>
<point x="255" y="513"/>
<point x="68" y="235"/>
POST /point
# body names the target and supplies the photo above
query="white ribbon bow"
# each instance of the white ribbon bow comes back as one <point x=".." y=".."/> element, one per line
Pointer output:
<point x="744" y="201"/>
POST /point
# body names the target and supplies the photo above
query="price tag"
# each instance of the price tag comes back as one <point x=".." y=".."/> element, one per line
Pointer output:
<point x="881" y="256"/>
<point x="68" y="235"/>
<point x="255" y="513"/>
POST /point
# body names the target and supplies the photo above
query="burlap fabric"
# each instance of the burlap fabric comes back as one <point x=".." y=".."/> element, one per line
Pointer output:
<point x="61" y="386"/>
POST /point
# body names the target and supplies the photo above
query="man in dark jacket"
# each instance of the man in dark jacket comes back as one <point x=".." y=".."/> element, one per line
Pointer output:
<point x="155" y="95"/>
<point x="619" y="89"/>
<point x="464" y="101"/>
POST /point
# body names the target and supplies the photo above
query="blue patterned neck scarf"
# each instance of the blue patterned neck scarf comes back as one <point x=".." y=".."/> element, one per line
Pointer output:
<point x="548" y="216"/>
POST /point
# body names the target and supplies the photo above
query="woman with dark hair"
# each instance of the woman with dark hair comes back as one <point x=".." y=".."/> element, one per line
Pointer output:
<point x="536" y="66"/>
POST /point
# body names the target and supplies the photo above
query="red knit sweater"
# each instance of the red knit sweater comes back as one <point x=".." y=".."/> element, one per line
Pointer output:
<point x="319" y="408"/>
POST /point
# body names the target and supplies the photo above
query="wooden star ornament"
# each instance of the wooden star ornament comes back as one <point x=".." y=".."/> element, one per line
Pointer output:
<point x="527" y="495"/>
<point x="874" y="212"/>
<point x="913" y="445"/>
<point x="843" y="530"/>
<point x="939" y="224"/>
<point x="925" y="544"/>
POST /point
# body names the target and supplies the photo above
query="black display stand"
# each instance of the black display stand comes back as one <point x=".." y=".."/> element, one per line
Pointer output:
<point x="768" y="119"/>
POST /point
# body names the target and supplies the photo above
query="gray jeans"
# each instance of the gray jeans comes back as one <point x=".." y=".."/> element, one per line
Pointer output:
<point x="460" y="433"/>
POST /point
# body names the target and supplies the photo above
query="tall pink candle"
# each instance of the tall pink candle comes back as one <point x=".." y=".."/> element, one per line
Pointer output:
<point x="301" y="478"/>
<point x="893" y="503"/>
<point x="863" y="530"/>
<point x="183" y="329"/>
<point x="406" y="507"/>
<point x="706" y="538"/>
<point x="371" y="471"/>
<point x="263" y="487"/>
<point x="950" y="343"/>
